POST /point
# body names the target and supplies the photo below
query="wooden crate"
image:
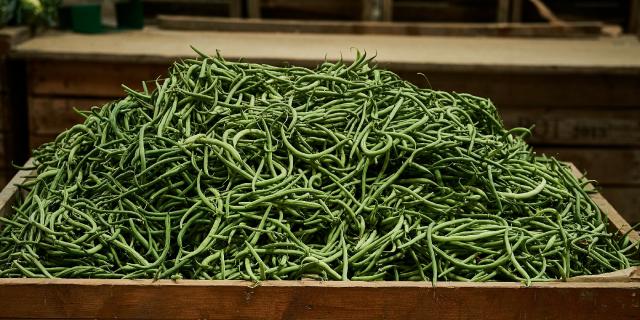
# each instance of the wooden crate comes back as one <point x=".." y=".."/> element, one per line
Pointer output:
<point x="609" y="296"/>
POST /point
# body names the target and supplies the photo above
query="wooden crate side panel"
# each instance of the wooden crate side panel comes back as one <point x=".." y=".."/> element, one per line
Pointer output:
<point x="570" y="127"/>
<point x="89" y="79"/>
<point x="608" y="166"/>
<point x="315" y="300"/>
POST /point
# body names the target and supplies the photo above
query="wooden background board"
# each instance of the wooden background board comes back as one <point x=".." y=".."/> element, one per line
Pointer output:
<point x="601" y="127"/>
<point x="521" y="90"/>
<point x="50" y="116"/>
<point x="129" y="299"/>
<point x="533" y="30"/>
<point x="601" y="163"/>
<point x="88" y="78"/>
<point x="506" y="89"/>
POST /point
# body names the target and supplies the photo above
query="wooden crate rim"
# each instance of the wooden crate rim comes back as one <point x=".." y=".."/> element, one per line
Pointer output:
<point x="601" y="281"/>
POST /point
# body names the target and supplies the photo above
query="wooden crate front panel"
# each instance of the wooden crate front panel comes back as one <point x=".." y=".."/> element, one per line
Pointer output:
<point x="75" y="299"/>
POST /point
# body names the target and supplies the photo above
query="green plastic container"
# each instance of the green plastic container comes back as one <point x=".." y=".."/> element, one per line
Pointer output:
<point x="129" y="14"/>
<point x="64" y="17"/>
<point x="86" y="18"/>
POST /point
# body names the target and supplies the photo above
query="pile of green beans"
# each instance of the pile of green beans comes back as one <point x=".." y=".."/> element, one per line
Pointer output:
<point x="235" y="170"/>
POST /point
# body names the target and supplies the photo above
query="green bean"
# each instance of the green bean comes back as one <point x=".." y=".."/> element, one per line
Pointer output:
<point x="235" y="170"/>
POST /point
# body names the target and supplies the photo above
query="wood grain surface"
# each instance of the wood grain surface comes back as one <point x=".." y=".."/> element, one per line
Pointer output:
<point x="604" y="55"/>
<point x="74" y="299"/>
<point x="506" y="90"/>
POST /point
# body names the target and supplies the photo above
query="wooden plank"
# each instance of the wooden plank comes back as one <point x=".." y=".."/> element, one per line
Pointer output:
<point x="164" y="299"/>
<point x="89" y="79"/>
<point x="367" y="10"/>
<point x="608" y="166"/>
<point x="96" y="79"/>
<point x="446" y="11"/>
<point x="387" y="10"/>
<point x="626" y="200"/>
<point x="254" y="8"/>
<point x="569" y="127"/>
<point x="634" y="16"/>
<point x="604" y="56"/>
<point x="11" y="36"/>
<point x="516" y="10"/>
<point x="49" y="116"/>
<point x="577" y="29"/>
<point x="312" y="9"/>
<point x="530" y="90"/>
<point x="502" y="11"/>
<point x="235" y="8"/>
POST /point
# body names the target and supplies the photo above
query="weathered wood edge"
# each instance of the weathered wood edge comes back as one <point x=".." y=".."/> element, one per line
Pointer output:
<point x="165" y="57"/>
<point x="584" y="282"/>
<point x="629" y="275"/>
